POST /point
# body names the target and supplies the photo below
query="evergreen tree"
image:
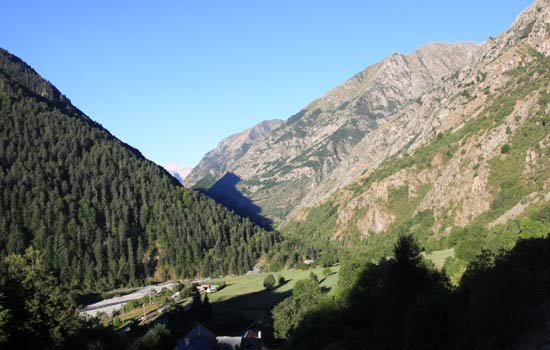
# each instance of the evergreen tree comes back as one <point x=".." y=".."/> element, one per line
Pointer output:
<point x="269" y="282"/>
<point x="206" y="310"/>
<point x="102" y="215"/>
<point x="35" y="313"/>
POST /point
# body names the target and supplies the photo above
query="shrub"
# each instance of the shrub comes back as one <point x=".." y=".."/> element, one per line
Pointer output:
<point x="313" y="277"/>
<point x="157" y="338"/>
<point x="117" y="322"/>
<point x="505" y="149"/>
<point x="269" y="282"/>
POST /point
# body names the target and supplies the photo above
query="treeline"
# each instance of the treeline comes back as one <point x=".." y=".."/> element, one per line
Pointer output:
<point x="102" y="214"/>
<point x="36" y="313"/>
<point x="502" y="302"/>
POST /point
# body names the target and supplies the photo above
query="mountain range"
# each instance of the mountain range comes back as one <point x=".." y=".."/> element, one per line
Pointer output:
<point x="421" y="186"/>
<point x="178" y="171"/>
<point x="446" y="140"/>
<point x="448" y="136"/>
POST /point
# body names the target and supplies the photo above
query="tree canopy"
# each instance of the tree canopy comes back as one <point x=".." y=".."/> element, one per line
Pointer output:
<point x="102" y="214"/>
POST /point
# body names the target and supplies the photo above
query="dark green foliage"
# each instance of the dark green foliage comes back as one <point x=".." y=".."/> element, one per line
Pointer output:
<point x="431" y="324"/>
<point x="281" y="280"/>
<point x="157" y="338"/>
<point x="499" y="294"/>
<point x="288" y="314"/>
<point x="102" y="214"/>
<point x="205" y="183"/>
<point x="352" y="261"/>
<point x="269" y="282"/>
<point x="470" y="240"/>
<point x="505" y="149"/>
<point x="5" y="317"/>
<point x="309" y="239"/>
<point x="313" y="277"/>
<point x="196" y="301"/>
<point x="466" y="94"/>
<point x="401" y="304"/>
<point x="34" y="311"/>
<point x="206" y="311"/>
<point x="372" y="314"/>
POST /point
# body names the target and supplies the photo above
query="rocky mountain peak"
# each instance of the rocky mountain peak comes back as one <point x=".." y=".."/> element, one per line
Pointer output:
<point x="178" y="171"/>
<point x="219" y="160"/>
<point x="391" y="108"/>
<point x="411" y="71"/>
<point x="531" y="26"/>
<point x="297" y="156"/>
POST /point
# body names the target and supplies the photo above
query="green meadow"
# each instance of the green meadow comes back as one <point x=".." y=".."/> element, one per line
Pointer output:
<point x="244" y="300"/>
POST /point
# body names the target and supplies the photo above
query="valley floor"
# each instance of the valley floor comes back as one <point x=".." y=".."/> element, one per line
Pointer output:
<point x="242" y="303"/>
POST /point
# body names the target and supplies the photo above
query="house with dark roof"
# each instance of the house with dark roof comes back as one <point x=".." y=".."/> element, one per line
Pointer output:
<point x="199" y="338"/>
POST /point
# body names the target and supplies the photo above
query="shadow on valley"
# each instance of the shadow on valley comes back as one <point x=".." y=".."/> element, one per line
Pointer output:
<point x="236" y="314"/>
<point x="502" y="302"/>
<point x="225" y="192"/>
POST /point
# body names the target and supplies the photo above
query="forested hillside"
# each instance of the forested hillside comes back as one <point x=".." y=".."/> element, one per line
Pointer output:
<point x="102" y="215"/>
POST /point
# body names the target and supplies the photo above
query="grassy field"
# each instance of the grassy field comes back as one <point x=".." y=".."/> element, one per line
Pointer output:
<point x="247" y="284"/>
<point x="245" y="300"/>
<point x="438" y="257"/>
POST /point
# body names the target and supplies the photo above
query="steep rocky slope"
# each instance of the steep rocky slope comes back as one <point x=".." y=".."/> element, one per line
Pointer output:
<point x="279" y="170"/>
<point x="466" y="166"/>
<point x="386" y="114"/>
<point x="230" y="150"/>
<point x="460" y="97"/>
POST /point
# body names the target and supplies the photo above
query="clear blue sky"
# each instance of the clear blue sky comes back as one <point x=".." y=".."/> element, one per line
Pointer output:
<point x="172" y="78"/>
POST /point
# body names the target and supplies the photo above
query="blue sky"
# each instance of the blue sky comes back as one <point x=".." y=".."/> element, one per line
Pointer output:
<point x="172" y="78"/>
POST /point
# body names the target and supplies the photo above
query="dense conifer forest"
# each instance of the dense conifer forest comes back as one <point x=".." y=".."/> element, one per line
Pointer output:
<point x="102" y="215"/>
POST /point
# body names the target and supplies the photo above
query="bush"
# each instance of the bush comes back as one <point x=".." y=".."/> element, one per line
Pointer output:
<point x="505" y="149"/>
<point x="157" y="338"/>
<point x="313" y="277"/>
<point x="117" y="322"/>
<point x="275" y="266"/>
<point x="269" y="282"/>
<point x="281" y="280"/>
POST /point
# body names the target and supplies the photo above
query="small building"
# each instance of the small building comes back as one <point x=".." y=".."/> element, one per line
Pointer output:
<point x="208" y="288"/>
<point x="228" y="343"/>
<point x="309" y="261"/>
<point x="252" y="340"/>
<point x="199" y="338"/>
